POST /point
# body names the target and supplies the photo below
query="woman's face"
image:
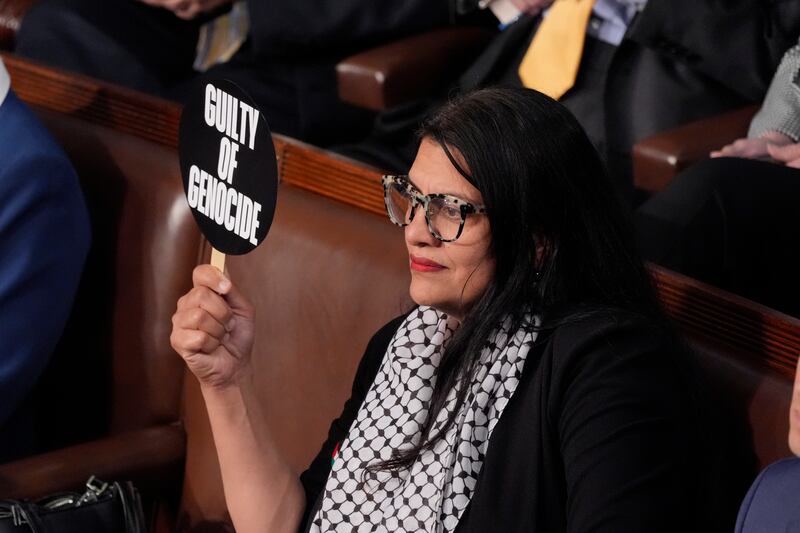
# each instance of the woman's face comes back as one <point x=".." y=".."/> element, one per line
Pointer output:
<point x="794" y="415"/>
<point x="449" y="276"/>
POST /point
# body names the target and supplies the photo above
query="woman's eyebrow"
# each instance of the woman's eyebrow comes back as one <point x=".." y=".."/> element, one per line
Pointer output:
<point x="457" y="195"/>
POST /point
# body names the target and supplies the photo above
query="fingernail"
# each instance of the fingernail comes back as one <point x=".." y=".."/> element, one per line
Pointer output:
<point x="224" y="285"/>
<point x="229" y="326"/>
<point x="226" y="337"/>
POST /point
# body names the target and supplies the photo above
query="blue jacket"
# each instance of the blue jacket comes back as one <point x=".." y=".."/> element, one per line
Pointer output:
<point x="44" y="240"/>
<point x="773" y="503"/>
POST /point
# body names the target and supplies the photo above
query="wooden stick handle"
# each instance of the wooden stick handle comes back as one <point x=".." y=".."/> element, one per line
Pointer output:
<point x="218" y="259"/>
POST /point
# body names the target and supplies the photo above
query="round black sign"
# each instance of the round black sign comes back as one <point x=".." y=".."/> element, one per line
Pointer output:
<point x="228" y="165"/>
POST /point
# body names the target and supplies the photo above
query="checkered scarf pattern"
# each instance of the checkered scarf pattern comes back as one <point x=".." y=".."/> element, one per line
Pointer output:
<point x="433" y="493"/>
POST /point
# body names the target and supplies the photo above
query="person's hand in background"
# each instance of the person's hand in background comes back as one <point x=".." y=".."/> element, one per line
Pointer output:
<point x="787" y="154"/>
<point x="187" y="9"/>
<point x="532" y="7"/>
<point x="756" y="148"/>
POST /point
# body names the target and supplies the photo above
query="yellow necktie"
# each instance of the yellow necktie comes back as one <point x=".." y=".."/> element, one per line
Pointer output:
<point x="222" y="37"/>
<point x="551" y="63"/>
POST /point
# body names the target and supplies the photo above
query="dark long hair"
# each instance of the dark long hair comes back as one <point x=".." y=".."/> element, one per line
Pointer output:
<point x="546" y="188"/>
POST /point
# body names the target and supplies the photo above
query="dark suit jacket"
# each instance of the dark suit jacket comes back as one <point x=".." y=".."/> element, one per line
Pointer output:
<point x="332" y="29"/>
<point x="289" y="63"/>
<point x="773" y="503"/>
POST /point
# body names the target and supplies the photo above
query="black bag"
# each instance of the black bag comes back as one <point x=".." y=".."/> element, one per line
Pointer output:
<point x="103" y="508"/>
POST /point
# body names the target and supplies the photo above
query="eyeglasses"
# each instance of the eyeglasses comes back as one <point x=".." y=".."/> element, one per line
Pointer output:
<point x="444" y="214"/>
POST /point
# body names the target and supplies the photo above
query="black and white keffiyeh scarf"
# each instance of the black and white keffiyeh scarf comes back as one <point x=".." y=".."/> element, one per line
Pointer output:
<point x="432" y="494"/>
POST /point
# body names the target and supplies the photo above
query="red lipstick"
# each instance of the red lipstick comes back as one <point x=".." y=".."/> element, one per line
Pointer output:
<point x="420" y="264"/>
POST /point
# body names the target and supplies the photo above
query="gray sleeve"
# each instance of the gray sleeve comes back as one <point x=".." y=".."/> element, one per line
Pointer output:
<point x="781" y="108"/>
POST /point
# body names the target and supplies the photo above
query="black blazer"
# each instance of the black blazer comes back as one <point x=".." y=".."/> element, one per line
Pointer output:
<point x="602" y="435"/>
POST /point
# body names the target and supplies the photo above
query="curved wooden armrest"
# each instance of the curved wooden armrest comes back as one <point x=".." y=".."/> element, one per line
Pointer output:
<point x="408" y="69"/>
<point x="11" y="13"/>
<point x="146" y="457"/>
<point x="657" y="159"/>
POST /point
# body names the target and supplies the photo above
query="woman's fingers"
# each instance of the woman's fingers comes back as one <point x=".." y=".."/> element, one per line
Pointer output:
<point x="188" y="342"/>
<point x="197" y="318"/>
<point x="212" y="328"/>
<point x="236" y="300"/>
<point x="211" y="278"/>
<point x="211" y="302"/>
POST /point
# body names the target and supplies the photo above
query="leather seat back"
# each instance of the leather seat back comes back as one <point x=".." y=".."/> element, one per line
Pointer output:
<point x="114" y="369"/>
<point x="754" y="398"/>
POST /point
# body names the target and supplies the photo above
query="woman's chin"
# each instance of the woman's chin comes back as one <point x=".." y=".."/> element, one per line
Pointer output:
<point x="423" y="297"/>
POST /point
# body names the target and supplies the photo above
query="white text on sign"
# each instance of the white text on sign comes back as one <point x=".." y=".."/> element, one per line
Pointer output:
<point x="215" y="196"/>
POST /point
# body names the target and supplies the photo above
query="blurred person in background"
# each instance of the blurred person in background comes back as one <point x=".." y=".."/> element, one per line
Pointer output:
<point x="626" y="69"/>
<point x="732" y="221"/>
<point x="44" y="239"/>
<point x="283" y="53"/>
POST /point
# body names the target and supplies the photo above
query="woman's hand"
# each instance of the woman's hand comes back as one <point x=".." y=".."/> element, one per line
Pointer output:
<point x="757" y="148"/>
<point x="212" y="329"/>
<point x="187" y="9"/>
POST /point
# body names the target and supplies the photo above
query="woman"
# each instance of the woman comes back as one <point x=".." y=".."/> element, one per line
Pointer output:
<point x="557" y="399"/>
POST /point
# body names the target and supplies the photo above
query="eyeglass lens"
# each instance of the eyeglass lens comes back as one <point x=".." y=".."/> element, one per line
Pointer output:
<point x="443" y="216"/>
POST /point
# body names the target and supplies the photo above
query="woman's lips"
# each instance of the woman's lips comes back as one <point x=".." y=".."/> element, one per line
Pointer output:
<point x="420" y="264"/>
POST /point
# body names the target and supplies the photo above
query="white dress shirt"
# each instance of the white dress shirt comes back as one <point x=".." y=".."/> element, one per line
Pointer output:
<point x="611" y="18"/>
<point x="609" y="21"/>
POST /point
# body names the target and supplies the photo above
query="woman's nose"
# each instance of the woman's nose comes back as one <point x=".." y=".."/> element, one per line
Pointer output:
<point x="416" y="232"/>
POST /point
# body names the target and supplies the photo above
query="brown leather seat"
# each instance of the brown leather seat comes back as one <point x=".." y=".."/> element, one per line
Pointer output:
<point x="758" y="399"/>
<point x="749" y="353"/>
<point x="114" y="375"/>
<point x="114" y="370"/>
